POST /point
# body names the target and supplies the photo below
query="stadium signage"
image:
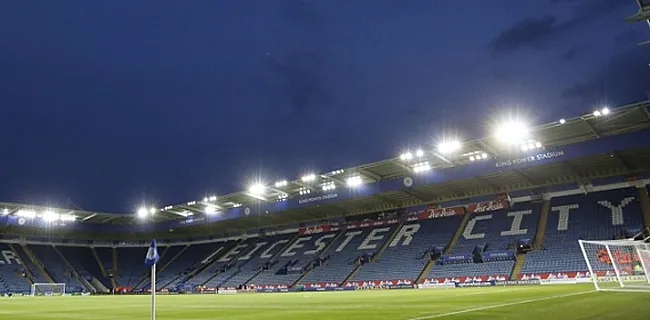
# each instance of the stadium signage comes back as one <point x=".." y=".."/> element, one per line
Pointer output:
<point x="487" y="206"/>
<point x="323" y="197"/>
<point x="433" y="213"/>
<point x="315" y="229"/>
<point x="531" y="158"/>
<point x="517" y="283"/>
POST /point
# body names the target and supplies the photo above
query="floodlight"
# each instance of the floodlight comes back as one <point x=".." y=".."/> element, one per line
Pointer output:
<point x="281" y="184"/>
<point x="191" y="203"/>
<point x="5" y="211"/>
<point x="257" y="189"/>
<point x="406" y="156"/>
<point x="328" y="186"/>
<point x="597" y="113"/>
<point x="419" y="153"/>
<point x="471" y="158"/>
<point x="562" y="121"/>
<point x="213" y="198"/>
<point x="484" y="155"/>
<point x="26" y="213"/>
<point x="605" y="111"/>
<point x="236" y="205"/>
<point x="205" y="199"/>
<point x="354" y="181"/>
<point x="67" y="217"/>
<point x="512" y="132"/>
<point x="50" y="216"/>
<point x="304" y="191"/>
<point x="143" y="212"/>
<point x="210" y="209"/>
<point x="421" y="167"/>
<point x="449" y="146"/>
<point x="308" y="178"/>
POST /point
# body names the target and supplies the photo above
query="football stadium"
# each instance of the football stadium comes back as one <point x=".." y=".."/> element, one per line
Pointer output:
<point x="535" y="222"/>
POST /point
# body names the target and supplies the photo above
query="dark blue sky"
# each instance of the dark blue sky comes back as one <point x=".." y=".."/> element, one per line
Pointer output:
<point x="107" y="103"/>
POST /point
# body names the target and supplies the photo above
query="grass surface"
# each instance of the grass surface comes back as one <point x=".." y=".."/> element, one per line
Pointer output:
<point x="529" y="302"/>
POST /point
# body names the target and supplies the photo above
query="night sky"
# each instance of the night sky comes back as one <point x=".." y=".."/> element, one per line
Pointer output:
<point x="106" y="104"/>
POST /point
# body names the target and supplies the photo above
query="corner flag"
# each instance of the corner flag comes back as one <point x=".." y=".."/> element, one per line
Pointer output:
<point x="150" y="260"/>
<point x="152" y="254"/>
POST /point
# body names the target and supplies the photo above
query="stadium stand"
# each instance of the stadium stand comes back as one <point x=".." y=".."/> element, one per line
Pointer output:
<point x="130" y="268"/>
<point x="259" y="259"/>
<point x="600" y="215"/>
<point x="192" y="259"/>
<point x="353" y="248"/>
<point x="409" y="251"/>
<point x="56" y="267"/>
<point x="489" y="242"/>
<point x="13" y="277"/>
<point x="222" y="266"/>
<point x="289" y="264"/>
<point x="83" y="261"/>
<point x="34" y="272"/>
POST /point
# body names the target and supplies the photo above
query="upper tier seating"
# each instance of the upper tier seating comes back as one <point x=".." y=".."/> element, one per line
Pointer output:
<point x="166" y="256"/>
<point x="405" y="256"/>
<point x="341" y="258"/>
<point x="595" y="216"/>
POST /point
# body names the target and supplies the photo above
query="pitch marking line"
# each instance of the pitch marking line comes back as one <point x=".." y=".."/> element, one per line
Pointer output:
<point x="440" y="315"/>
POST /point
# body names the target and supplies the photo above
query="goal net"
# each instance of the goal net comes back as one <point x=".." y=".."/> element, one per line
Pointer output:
<point x="48" y="289"/>
<point x="618" y="265"/>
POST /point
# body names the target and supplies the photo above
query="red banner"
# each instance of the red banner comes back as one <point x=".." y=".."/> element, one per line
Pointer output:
<point x="315" y="229"/>
<point x="433" y="213"/>
<point x="488" y="206"/>
<point x="363" y="284"/>
<point x="502" y="277"/>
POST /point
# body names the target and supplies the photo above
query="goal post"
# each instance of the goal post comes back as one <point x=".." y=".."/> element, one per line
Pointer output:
<point x="48" y="289"/>
<point x="618" y="265"/>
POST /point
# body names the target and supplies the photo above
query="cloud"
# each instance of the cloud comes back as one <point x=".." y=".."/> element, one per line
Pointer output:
<point x="624" y="79"/>
<point x="532" y="32"/>
<point x="575" y="52"/>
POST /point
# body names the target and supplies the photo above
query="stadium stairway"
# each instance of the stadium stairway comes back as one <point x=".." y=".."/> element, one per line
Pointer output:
<point x="459" y="231"/>
<point x="377" y="255"/>
<point x="165" y="259"/>
<point x="644" y="200"/>
<point x="28" y="272"/>
<point x="329" y="245"/>
<point x="77" y="275"/>
<point x="115" y="269"/>
<point x="211" y="261"/>
<point x="197" y="266"/>
<point x="192" y="260"/>
<point x="519" y="264"/>
<point x="234" y="264"/>
<point x="39" y="265"/>
<point x="274" y="257"/>
<point x="102" y="268"/>
<point x="541" y="225"/>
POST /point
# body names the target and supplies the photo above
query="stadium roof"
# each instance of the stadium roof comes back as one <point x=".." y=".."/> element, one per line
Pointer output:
<point x="629" y="118"/>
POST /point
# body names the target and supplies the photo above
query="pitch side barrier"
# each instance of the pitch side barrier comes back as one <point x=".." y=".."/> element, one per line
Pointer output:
<point x="477" y="284"/>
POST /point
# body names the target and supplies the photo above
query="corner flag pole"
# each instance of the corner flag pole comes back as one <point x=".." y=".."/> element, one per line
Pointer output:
<point x="153" y="292"/>
<point x="150" y="260"/>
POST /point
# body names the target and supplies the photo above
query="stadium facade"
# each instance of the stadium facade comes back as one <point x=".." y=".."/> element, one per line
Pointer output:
<point x="470" y="212"/>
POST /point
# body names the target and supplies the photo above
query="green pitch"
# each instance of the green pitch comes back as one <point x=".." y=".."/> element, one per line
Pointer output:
<point x="530" y="302"/>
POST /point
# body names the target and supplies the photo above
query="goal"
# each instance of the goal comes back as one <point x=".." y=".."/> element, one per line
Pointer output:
<point x="618" y="265"/>
<point x="48" y="289"/>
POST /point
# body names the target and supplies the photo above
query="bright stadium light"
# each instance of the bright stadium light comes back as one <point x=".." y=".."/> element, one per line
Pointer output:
<point x="328" y="186"/>
<point x="280" y="184"/>
<point x="449" y="146"/>
<point x="26" y="213"/>
<point x="354" y="181"/>
<point x="421" y="167"/>
<point x="304" y="191"/>
<point x="257" y="189"/>
<point x="419" y="153"/>
<point x="562" y="121"/>
<point x="67" y="217"/>
<point x="5" y="212"/>
<point x="604" y="111"/>
<point x="512" y="132"/>
<point x="143" y="212"/>
<point x="406" y="156"/>
<point x="210" y="209"/>
<point x="308" y="178"/>
<point x="50" y="216"/>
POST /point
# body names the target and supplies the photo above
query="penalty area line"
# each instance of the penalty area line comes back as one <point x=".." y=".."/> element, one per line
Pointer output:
<point x="502" y="305"/>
